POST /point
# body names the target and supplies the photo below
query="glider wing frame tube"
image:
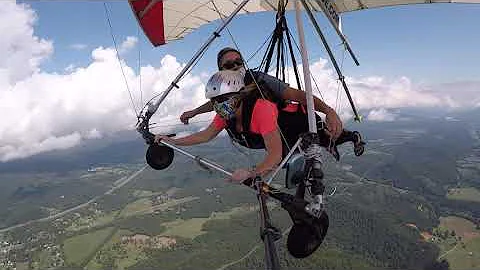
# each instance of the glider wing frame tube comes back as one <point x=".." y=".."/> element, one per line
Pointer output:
<point x="142" y="126"/>
<point x="332" y="57"/>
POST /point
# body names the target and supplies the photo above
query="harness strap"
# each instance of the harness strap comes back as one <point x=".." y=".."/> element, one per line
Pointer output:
<point x="248" y="103"/>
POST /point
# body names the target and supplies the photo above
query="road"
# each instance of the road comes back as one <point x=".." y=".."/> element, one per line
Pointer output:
<point x="57" y="215"/>
<point x="452" y="249"/>
<point x="225" y="266"/>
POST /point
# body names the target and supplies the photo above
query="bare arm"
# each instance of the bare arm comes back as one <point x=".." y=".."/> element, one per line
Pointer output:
<point x="334" y="124"/>
<point x="299" y="96"/>
<point x="207" y="107"/>
<point x="273" y="145"/>
<point x="196" y="138"/>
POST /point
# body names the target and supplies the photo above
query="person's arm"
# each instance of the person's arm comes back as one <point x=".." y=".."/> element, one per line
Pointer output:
<point x="289" y="93"/>
<point x="264" y="122"/>
<point x="196" y="138"/>
<point x="301" y="97"/>
<point x="281" y="89"/>
<point x="334" y="124"/>
<point x="207" y="107"/>
<point x="273" y="146"/>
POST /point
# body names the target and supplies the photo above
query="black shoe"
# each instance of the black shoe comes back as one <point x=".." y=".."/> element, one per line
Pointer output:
<point x="358" y="144"/>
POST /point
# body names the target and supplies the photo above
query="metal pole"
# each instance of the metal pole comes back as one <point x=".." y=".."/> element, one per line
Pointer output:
<point x="339" y="32"/>
<point x="153" y="107"/>
<point x="295" y="146"/>
<point x="332" y="58"/>
<point x="312" y="123"/>
<point x="200" y="160"/>
<point x="267" y="230"/>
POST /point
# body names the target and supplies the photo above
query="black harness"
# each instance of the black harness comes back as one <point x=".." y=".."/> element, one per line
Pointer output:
<point x="292" y="124"/>
<point x="246" y="137"/>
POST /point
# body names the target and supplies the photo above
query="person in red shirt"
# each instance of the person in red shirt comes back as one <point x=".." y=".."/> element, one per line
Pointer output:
<point x="332" y="132"/>
<point x="226" y="90"/>
<point x="231" y="59"/>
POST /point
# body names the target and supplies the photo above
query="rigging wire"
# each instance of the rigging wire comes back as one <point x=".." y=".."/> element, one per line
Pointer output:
<point x="260" y="47"/>
<point x="246" y="67"/>
<point x="139" y="66"/>
<point x="107" y="14"/>
<point x="186" y="72"/>
<point x="339" y="97"/>
<point x="287" y="78"/>
<point x="337" y="106"/>
<point x="313" y="78"/>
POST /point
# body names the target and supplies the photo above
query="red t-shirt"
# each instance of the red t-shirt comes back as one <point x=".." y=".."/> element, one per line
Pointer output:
<point x="264" y="118"/>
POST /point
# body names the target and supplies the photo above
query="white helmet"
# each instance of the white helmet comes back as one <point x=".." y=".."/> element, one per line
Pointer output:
<point x="224" y="82"/>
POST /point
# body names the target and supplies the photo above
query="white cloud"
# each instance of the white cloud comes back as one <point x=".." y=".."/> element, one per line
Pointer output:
<point x="90" y="102"/>
<point x="128" y="44"/>
<point x="381" y="115"/>
<point x="45" y="111"/>
<point x="451" y="119"/>
<point x="70" y="68"/>
<point x="93" y="134"/>
<point x="78" y="46"/>
<point x="9" y="152"/>
<point x="20" y="51"/>
<point x="377" y="93"/>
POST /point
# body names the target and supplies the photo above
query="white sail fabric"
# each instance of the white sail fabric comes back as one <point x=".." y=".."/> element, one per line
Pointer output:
<point x="181" y="17"/>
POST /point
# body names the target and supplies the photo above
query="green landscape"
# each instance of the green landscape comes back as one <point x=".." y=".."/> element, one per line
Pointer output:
<point x="390" y="211"/>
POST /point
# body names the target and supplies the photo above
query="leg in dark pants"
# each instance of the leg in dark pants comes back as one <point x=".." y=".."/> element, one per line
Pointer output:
<point x="293" y="124"/>
<point x="345" y="136"/>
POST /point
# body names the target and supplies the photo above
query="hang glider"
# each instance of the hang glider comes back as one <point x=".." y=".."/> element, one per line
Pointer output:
<point x="168" y="20"/>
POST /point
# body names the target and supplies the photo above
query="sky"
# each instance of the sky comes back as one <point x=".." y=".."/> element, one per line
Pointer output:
<point x="61" y="82"/>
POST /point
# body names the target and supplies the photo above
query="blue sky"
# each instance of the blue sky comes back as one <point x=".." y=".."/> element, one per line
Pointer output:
<point x="427" y="43"/>
<point x="417" y="56"/>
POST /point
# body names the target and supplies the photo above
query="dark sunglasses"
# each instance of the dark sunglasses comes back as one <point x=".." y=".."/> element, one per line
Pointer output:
<point x="223" y="98"/>
<point x="233" y="64"/>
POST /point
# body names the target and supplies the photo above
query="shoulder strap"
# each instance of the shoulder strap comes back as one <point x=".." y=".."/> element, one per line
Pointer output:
<point x="248" y="103"/>
<point x="267" y="92"/>
<point x="249" y="76"/>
